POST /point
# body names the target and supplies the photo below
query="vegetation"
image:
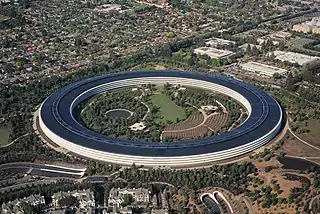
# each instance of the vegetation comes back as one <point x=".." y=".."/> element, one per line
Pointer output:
<point x="168" y="110"/>
<point x="4" y="136"/>
<point x="127" y="200"/>
<point x="167" y="105"/>
<point x="46" y="190"/>
<point x="68" y="201"/>
<point x="233" y="177"/>
<point x="30" y="148"/>
<point x="93" y="112"/>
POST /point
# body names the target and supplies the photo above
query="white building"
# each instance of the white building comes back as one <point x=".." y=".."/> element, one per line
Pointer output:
<point x="312" y="26"/>
<point x="138" y="126"/>
<point x="15" y="206"/>
<point x="280" y="35"/>
<point x="116" y="196"/>
<point x="213" y="53"/>
<point x="217" y="42"/>
<point x="262" y="69"/>
<point x="292" y="57"/>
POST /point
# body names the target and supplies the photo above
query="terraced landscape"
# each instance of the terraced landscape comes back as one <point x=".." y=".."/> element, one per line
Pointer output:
<point x="196" y="126"/>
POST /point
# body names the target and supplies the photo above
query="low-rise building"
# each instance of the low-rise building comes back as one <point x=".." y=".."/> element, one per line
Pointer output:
<point x="116" y="196"/>
<point x="280" y="35"/>
<point x="292" y="57"/>
<point x="219" y="43"/>
<point x="213" y="53"/>
<point x="15" y="206"/>
<point x="312" y="26"/>
<point x="138" y="126"/>
<point x="262" y="69"/>
<point x="85" y="198"/>
<point x="245" y="46"/>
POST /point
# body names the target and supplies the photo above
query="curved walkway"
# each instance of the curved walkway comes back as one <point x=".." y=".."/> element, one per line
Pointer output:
<point x="145" y="116"/>
<point x="15" y="140"/>
<point x="159" y="182"/>
<point x="119" y="109"/>
<point x="234" y="124"/>
<point x="311" y="202"/>
<point x="303" y="141"/>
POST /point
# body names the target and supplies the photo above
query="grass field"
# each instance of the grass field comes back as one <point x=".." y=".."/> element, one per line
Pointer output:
<point x="3" y="18"/>
<point x="168" y="109"/>
<point x="313" y="136"/>
<point x="4" y="136"/>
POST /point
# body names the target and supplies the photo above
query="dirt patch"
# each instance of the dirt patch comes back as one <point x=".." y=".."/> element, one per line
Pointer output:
<point x="279" y="208"/>
<point x="159" y="67"/>
<point x="261" y="165"/>
<point x="285" y="185"/>
<point x="296" y="148"/>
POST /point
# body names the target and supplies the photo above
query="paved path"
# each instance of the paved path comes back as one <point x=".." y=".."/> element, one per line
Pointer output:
<point x="159" y="182"/>
<point x="311" y="202"/>
<point x="248" y="204"/>
<point x="303" y="157"/>
<point x="44" y="169"/>
<point x="231" y="127"/>
<point x="301" y="140"/>
<point x="145" y="116"/>
<point x="15" y="140"/>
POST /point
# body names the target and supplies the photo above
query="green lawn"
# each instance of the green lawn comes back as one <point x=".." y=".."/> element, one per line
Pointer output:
<point x="4" y="136"/>
<point x="3" y="18"/>
<point x="168" y="109"/>
<point x="313" y="136"/>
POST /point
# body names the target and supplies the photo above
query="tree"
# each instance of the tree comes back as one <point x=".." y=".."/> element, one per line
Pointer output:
<point x="171" y="34"/>
<point x="249" y="50"/>
<point x="127" y="200"/>
<point x="68" y="201"/>
<point x="276" y="76"/>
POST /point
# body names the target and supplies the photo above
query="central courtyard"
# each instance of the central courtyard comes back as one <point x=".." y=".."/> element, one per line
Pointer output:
<point x="161" y="113"/>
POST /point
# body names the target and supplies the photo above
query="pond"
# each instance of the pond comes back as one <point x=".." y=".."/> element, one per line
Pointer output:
<point x="118" y="113"/>
<point x="298" y="164"/>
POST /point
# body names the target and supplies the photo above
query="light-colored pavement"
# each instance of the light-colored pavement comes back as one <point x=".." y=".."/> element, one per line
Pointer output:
<point x="235" y="122"/>
<point x="44" y="168"/>
<point x="148" y="111"/>
<point x="301" y="140"/>
<point x="15" y="140"/>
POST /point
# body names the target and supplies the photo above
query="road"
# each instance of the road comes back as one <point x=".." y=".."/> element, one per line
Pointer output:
<point x="23" y="185"/>
<point x="44" y="169"/>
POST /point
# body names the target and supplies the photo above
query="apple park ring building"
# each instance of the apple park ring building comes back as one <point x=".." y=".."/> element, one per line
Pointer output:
<point x="58" y="122"/>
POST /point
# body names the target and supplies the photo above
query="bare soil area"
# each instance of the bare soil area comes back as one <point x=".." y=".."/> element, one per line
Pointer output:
<point x="296" y="148"/>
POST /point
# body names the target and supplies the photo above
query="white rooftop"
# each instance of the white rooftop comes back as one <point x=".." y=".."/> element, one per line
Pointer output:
<point x="213" y="52"/>
<point x="293" y="57"/>
<point x="138" y="126"/>
<point x="259" y="67"/>
<point x="213" y="41"/>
